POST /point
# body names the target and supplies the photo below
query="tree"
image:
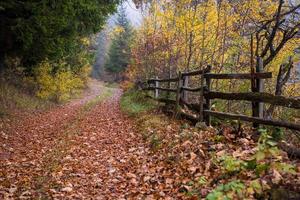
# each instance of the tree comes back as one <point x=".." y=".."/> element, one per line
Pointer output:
<point x="190" y="34"/>
<point x="273" y="34"/>
<point x="35" y="30"/>
<point x="119" y="52"/>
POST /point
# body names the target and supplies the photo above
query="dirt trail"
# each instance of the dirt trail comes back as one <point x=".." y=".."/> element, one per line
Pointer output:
<point x="71" y="153"/>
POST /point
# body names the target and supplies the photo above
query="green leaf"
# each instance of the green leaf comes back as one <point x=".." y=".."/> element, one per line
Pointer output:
<point x="284" y="167"/>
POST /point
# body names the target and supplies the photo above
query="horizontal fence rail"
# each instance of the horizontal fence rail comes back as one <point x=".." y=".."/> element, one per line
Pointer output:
<point x="256" y="97"/>
<point x="202" y="110"/>
<point x="197" y="72"/>
<point x="261" y="75"/>
<point x="162" y="80"/>
<point x="198" y="89"/>
<point x="162" y="89"/>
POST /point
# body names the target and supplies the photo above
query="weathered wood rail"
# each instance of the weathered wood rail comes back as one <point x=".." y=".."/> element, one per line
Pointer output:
<point x="203" y="109"/>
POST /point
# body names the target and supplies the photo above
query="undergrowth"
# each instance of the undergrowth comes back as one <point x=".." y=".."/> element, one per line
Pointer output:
<point x="211" y="164"/>
<point x="14" y="98"/>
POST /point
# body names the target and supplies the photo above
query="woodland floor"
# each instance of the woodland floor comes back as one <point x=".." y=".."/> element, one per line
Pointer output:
<point x="70" y="152"/>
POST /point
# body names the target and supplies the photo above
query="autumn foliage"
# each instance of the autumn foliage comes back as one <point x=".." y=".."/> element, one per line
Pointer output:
<point x="186" y="35"/>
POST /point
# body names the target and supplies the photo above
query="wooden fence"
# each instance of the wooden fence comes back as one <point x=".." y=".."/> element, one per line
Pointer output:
<point x="203" y="109"/>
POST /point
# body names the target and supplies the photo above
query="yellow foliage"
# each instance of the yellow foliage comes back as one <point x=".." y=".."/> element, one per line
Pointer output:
<point x="84" y="73"/>
<point x="184" y="35"/>
<point x="58" y="86"/>
<point x="116" y="31"/>
<point x="85" y="41"/>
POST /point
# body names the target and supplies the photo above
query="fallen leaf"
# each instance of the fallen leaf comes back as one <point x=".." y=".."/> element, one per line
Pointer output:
<point x="67" y="189"/>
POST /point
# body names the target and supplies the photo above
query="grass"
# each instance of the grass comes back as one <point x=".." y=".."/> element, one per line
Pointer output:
<point x="136" y="102"/>
<point x="154" y="121"/>
<point x="14" y="98"/>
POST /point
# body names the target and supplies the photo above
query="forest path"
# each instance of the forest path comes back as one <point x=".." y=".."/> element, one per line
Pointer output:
<point x="83" y="150"/>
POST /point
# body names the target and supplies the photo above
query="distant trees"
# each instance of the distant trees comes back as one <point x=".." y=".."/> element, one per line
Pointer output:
<point x="120" y="51"/>
<point x="102" y="44"/>
<point x="35" y="30"/>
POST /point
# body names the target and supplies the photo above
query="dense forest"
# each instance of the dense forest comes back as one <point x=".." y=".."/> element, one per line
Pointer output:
<point x="150" y="99"/>
<point x="49" y="42"/>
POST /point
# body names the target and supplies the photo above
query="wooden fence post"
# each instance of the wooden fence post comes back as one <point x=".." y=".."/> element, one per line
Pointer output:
<point x="156" y="85"/>
<point x="201" y="100"/>
<point x="178" y="93"/>
<point x="185" y="84"/>
<point x="260" y="85"/>
<point x="207" y="100"/>
<point x="257" y="107"/>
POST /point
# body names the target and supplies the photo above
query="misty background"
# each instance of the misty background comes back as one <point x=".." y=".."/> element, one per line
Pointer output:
<point x="103" y="40"/>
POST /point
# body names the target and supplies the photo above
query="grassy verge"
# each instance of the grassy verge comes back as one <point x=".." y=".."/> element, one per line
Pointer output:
<point x="144" y="111"/>
<point x="136" y="103"/>
<point x="13" y="98"/>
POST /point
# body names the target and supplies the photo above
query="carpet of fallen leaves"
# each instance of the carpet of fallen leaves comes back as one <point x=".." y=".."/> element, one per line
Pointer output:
<point x="183" y="156"/>
<point x="72" y="153"/>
